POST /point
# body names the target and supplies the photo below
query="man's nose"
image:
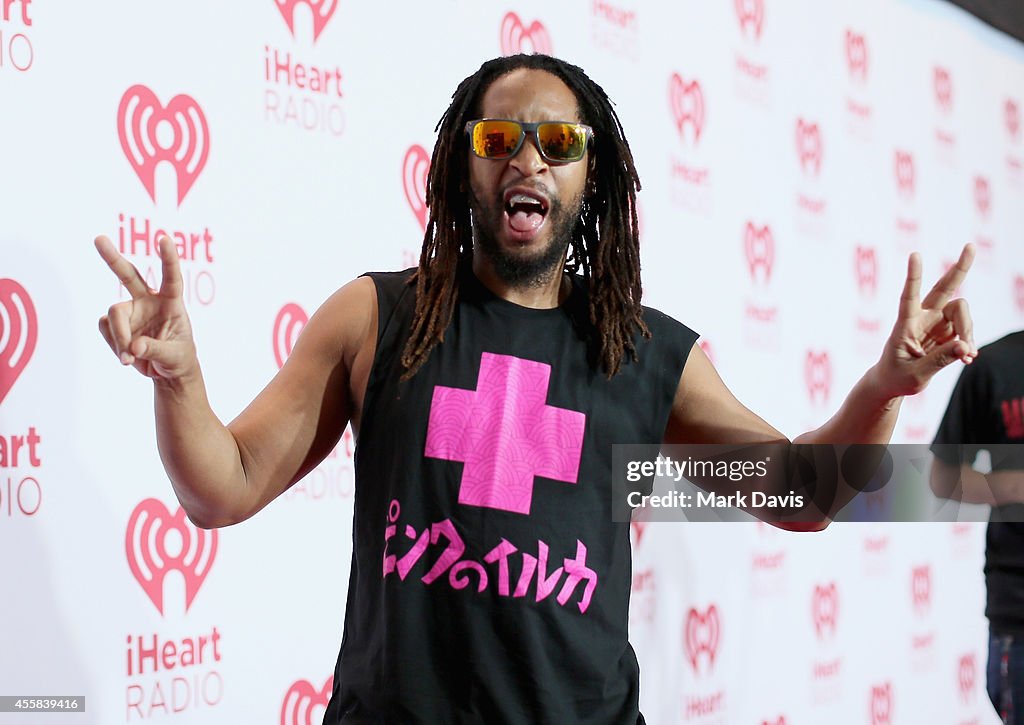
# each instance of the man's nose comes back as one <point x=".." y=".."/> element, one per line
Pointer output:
<point x="528" y="160"/>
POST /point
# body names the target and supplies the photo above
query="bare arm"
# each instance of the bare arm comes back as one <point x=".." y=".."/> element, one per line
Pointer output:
<point x="927" y="336"/>
<point x="963" y="483"/>
<point x="224" y="474"/>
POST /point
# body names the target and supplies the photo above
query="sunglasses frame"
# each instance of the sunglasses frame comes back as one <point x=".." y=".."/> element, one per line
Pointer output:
<point x="530" y="129"/>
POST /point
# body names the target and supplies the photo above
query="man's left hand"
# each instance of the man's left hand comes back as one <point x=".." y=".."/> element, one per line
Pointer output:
<point x="929" y="334"/>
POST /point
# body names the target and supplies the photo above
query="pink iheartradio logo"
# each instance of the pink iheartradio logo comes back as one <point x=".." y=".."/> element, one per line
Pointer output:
<point x="857" y="56"/>
<point x="1018" y="293"/>
<point x="809" y="147"/>
<point x="151" y="133"/>
<point x="287" y="327"/>
<point x="415" y="168"/>
<point x="921" y="587"/>
<point x="943" y="84"/>
<point x="701" y="636"/>
<point x="750" y="14"/>
<point x="818" y="375"/>
<point x="687" y="103"/>
<point x="881" y="704"/>
<point x="517" y="37"/>
<point x="982" y="195"/>
<point x="1011" y="114"/>
<point x="759" y="246"/>
<point x="967" y="676"/>
<point x="304" y="704"/>
<point x="865" y="265"/>
<point x="505" y="433"/>
<point x="322" y="10"/>
<point x="158" y="543"/>
<point x="19" y="329"/>
<point x="903" y="166"/>
<point x="825" y="609"/>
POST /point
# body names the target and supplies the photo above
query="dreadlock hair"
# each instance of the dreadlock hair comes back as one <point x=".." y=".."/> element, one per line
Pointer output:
<point x="604" y="243"/>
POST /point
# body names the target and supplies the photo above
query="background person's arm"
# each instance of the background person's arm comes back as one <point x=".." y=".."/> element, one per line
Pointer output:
<point x="963" y="483"/>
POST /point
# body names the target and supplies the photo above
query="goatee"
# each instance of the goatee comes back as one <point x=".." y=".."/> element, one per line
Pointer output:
<point x="520" y="270"/>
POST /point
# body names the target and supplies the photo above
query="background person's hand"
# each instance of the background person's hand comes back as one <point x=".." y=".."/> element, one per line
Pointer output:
<point x="929" y="334"/>
<point x="151" y="331"/>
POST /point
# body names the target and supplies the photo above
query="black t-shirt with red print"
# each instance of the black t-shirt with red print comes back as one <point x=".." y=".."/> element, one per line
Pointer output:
<point x="986" y="412"/>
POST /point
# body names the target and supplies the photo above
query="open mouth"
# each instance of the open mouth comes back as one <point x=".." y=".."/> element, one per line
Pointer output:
<point x="526" y="211"/>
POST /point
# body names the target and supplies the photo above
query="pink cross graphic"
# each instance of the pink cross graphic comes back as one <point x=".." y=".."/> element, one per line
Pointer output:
<point x="505" y="433"/>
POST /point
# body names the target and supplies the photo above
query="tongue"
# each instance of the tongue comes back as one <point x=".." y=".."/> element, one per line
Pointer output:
<point x="525" y="221"/>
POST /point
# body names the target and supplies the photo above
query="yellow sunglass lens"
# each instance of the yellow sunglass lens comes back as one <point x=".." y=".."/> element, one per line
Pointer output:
<point x="496" y="139"/>
<point x="561" y="141"/>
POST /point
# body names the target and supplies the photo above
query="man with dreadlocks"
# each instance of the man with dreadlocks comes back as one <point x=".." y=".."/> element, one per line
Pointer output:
<point x="489" y="583"/>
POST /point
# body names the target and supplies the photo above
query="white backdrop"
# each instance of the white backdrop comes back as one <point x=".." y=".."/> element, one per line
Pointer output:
<point x="793" y="153"/>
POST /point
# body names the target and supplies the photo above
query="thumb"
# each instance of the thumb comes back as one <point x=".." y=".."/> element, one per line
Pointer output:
<point x="947" y="353"/>
<point x="148" y="348"/>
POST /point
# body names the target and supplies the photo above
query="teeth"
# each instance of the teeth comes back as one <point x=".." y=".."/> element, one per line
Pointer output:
<point x="523" y="199"/>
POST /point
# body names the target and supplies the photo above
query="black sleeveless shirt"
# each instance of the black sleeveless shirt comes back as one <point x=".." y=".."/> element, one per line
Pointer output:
<point x="489" y="583"/>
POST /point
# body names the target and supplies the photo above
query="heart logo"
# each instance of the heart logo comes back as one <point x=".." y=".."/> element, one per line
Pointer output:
<point x="943" y="84"/>
<point x="701" y="635"/>
<point x="517" y="38"/>
<point x="825" y="609"/>
<point x="322" y="11"/>
<point x="1011" y="114"/>
<point x="304" y="704"/>
<point x="153" y="552"/>
<point x="151" y="133"/>
<point x="865" y="265"/>
<point x="19" y="329"/>
<point x="857" y="55"/>
<point x="750" y="13"/>
<point x="905" y="173"/>
<point x="415" y="168"/>
<point x="687" y="103"/>
<point x="982" y="195"/>
<point x="881" y="704"/>
<point x="287" y="327"/>
<point x="759" y="245"/>
<point x="809" y="146"/>
<point x="921" y="587"/>
<point x="818" y="375"/>
<point x="967" y="675"/>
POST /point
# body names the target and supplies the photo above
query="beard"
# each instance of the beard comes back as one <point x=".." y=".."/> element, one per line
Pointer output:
<point x="516" y="268"/>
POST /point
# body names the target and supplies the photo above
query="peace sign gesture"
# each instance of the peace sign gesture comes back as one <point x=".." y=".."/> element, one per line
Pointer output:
<point x="151" y="331"/>
<point x="929" y="334"/>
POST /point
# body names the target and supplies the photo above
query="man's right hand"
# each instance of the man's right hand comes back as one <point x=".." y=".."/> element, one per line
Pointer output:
<point x="151" y="331"/>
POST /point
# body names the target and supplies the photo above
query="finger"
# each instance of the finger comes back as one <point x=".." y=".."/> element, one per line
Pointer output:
<point x="949" y="283"/>
<point x="959" y="314"/>
<point x="107" y="334"/>
<point x="125" y="270"/>
<point x="912" y="287"/>
<point x="949" y="352"/>
<point x="120" y="327"/>
<point x="171" y="285"/>
<point x="148" y="348"/>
